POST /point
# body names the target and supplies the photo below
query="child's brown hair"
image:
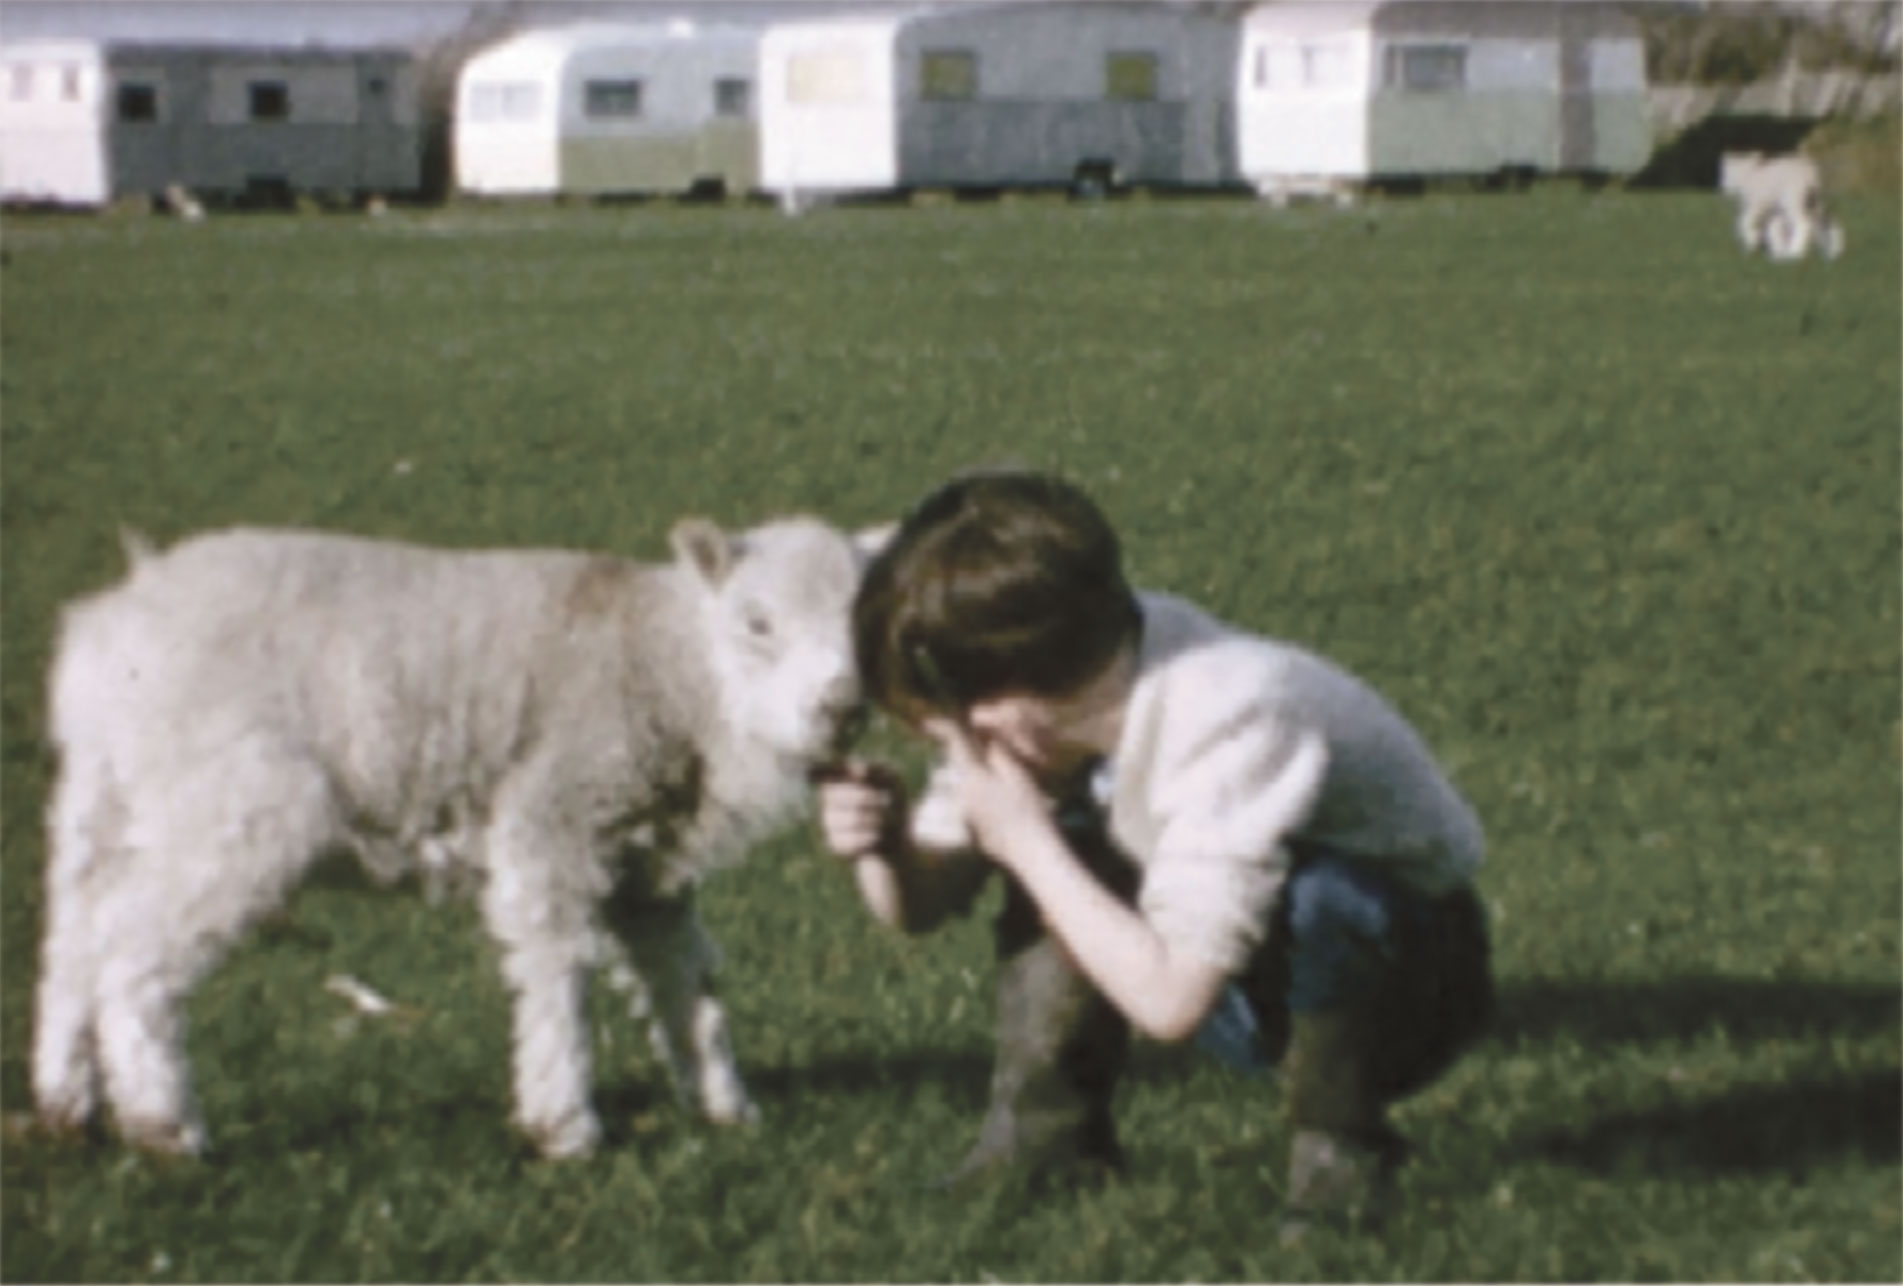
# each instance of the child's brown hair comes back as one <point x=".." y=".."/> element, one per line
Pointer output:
<point x="996" y="582"/>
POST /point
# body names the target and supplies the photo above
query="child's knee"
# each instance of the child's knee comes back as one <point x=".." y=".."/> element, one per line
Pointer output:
<point x="1329" y="897"/>
<point x="1340" y="936"/>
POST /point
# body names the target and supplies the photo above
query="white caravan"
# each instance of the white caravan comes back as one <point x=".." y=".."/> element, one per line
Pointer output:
<point x="1335" y="94"/>
<point x="52" y="129"/>
<point x="997" y="96"/>
<point x="598" y="109"/>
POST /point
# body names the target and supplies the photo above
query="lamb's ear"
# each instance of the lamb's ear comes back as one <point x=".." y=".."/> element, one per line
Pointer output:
<point x="869" y="541"/>
<point x="703" y="546"/>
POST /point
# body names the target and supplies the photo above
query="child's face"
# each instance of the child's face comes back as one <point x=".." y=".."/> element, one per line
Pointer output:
<point x="1054" y="736"/>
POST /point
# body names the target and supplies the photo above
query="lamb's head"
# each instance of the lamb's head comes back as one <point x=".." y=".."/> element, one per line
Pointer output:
<point x="1736" y="170"/>
<point x="779" y="627"/>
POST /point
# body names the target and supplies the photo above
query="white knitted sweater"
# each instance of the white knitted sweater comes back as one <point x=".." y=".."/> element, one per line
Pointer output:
<point x="1233" y="745"/>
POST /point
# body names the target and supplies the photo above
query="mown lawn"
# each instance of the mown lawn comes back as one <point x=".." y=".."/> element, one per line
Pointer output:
<point x="1609" y="510"/>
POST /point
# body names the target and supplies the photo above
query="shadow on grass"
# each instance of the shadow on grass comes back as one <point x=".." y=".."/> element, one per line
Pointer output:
<point x="1745" y="1009"/>
<point x="963" y="1075"/>
<point x="1787" y="1128"/>
<point x="633" y="1111"/>
<point x="324" y="1118"/>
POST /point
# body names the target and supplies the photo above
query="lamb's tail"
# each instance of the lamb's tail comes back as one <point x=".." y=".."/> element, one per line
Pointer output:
<point x="137" y="547"/>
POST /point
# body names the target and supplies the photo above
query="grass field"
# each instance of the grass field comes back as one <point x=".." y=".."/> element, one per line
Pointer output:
<point x="1609" y="510"/>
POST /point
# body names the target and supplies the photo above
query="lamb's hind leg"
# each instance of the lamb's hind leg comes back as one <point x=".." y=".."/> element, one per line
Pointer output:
<point x="85" y="821"/>
<point x="205" y="857"/>
<point x="670" y="950"/>
<point x="1789" y="236"/>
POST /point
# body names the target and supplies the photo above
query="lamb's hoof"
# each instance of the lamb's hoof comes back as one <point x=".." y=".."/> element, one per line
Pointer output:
<point x="46" y="1127"/>
<point x="723" y="1096"/>
<point x="572" y="1139"/>
<point x="177" y="1139"/>
<point x="731" y="1113"/>
<point x="1340" y="1184"/>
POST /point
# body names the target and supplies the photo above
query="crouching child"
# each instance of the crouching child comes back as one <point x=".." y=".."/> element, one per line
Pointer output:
<point x="1184" y="813"/>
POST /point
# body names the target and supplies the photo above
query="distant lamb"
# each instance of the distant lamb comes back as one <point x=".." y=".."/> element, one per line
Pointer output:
<point x="586" y="736"/>
<point x="177" y="201"/>
<point x="1781" y="209"/>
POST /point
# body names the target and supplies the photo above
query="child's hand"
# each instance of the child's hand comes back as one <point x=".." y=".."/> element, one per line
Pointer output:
<point x="861" y="808"/>
<point x="1002" y="801"/>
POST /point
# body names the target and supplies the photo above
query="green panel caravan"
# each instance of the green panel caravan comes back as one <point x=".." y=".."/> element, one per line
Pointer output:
<point x="1337" y="93"/>
<point x="601" y="109"/>
<point x="84" y="123"/>
<point x="997" y="95"/>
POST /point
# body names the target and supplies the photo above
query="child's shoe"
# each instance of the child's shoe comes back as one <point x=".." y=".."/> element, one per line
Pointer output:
<point x="1340" y="1183"/>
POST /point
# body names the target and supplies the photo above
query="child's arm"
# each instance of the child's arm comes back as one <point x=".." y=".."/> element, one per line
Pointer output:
<point x="862" y="817"/>
<point x="1164" y="993"/>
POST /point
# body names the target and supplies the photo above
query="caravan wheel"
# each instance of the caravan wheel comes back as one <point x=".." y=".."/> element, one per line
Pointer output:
<point x="1093" y="180"/>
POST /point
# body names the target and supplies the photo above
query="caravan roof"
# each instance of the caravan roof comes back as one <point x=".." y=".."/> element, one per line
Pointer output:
<point x="50" y="47"/>
<point x="881" y="21"/>
<point x="1313" y="17"/>
<point x="552" y="46"/>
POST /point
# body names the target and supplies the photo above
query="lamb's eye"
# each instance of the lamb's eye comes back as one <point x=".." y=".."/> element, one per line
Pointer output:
<point x="759" y="625"/>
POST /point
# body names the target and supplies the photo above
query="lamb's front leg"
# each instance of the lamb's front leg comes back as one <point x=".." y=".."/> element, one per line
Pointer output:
<point x="540" y="912"/>
<point x="669" y="948"/>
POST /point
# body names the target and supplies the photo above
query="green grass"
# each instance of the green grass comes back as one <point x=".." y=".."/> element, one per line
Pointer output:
<point x="1609" y="510"/>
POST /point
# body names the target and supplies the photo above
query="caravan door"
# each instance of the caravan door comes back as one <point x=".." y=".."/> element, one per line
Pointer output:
<point x="828" y="118"/>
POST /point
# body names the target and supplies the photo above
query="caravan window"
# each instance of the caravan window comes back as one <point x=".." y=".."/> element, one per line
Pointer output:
<point x="69" y="83"/>
<point x="270" y="100"/>
<point x="1425" y="69"/>
<point x="733" y="96"/>
<point x="138" y="101"/>
<point x="1130" y="77"/>
<point x="948" y="75"/>
<point x="612" y="99"/>
<point x="1284" y="66"/>
<point x="20" y="83"/>
<point x="826" y="76"/>
<point x="1276" y="66"/>
<point x="505" y="101"/>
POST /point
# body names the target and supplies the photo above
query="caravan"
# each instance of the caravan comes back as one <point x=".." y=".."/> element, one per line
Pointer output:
<point x="596" y="110"/>
<point x="83" y="123"/>
<point x="1335" y="95"/>
<point x="997" y="96"/>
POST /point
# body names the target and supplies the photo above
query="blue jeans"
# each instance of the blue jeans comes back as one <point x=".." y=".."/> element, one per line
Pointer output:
<point x="1418" y="965"/>
<point x="1345" y="935"/>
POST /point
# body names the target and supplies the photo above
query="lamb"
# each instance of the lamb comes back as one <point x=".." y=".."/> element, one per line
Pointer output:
<point x="587" y="736"/>
<point x="1781" y="208"/>
<point x="176" y="200"/>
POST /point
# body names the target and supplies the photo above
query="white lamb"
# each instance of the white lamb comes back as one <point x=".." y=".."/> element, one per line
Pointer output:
<point x="1781" y="208"/>
<point x="586" y="735"/>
